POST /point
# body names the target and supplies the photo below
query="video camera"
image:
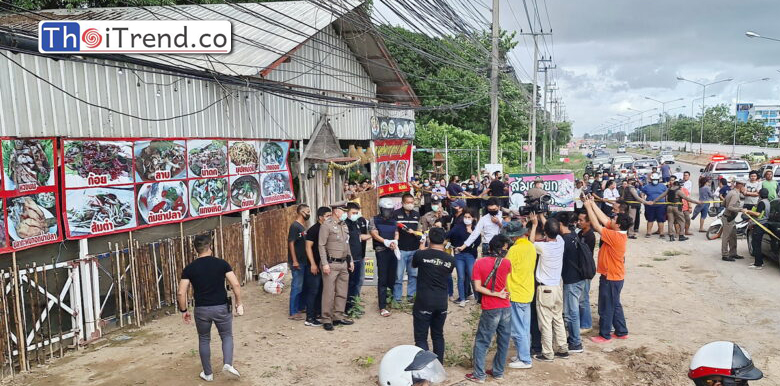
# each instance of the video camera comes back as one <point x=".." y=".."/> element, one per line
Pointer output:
<point x="536" y="205"/>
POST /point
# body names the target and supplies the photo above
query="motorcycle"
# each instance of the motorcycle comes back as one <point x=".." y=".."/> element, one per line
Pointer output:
<point x="741" y="226"/>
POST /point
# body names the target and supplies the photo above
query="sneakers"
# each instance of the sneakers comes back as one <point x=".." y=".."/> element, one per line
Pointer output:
<point x="207" y="378"/>
<point x="727" y="258"/>
<point x="231" y="370"/>
<point x="599" y="339"/>
<point x="498" y="378"/>
<point x="540" y="357"/>
<point x="619" y="336"/>
<point x="682" y="238"/>
<point x="462" y="303"/>
<point x="518" y="364"/>
<point x="473" y="378"/>
<point x="576" y="349"/>
<point x="312" y="323"/>
<point x="562" y="355"/>
<point x="756" y="267"/>
<point x="585" y="330"/>
<point x="328" y="326"/>
<point x="738" y="257"/>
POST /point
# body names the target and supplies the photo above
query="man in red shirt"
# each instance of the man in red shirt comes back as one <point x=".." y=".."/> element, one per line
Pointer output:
<point x="490" y="274"/>
<point x="611" y="267"/>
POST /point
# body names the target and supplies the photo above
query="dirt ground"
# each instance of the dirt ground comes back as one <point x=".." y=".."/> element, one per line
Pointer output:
<point x="677" y="297"/>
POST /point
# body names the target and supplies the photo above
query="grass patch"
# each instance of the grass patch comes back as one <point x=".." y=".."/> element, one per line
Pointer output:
<point x="646" y="265"/>
<point x="364" y="362"/>
<point x="659" y="259"/>
<point x="459" y="353"/>
<point x="673" y="253"/>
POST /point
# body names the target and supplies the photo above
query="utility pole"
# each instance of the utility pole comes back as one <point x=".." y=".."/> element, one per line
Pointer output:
<point x="494" y="88"/>
<point x="545" y="68"/>
<point x="532" y="134"/>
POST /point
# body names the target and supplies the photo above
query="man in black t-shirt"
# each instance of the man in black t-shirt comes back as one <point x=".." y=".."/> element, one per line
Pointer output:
<point x="408" y="221"/>
<point x="312" y="281"/>
<point x="588" y="236"/>
<point x="573" y="285"/>
<point x="297" y="260"/>
<point x="207" y="275"/>
<point x="430" y="306"/>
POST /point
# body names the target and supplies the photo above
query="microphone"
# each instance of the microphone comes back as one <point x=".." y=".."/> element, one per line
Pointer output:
<point x="403" y="227"/>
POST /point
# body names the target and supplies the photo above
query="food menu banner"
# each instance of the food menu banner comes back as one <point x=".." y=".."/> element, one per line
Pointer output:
<point x="393" y="160"/>
<point x="392" y="128"/>
<point x="29" y="190"/>
<point x="117" y="185"/>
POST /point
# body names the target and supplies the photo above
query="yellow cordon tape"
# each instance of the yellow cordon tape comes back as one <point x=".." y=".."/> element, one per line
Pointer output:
<point x="762" y="227"/>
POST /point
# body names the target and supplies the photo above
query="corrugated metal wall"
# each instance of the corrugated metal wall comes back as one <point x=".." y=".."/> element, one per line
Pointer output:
<point x="31" y="107"/>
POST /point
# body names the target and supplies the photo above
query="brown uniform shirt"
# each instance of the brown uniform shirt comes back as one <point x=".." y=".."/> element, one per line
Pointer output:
<point x="534" y="193"/>
<point x="732" y="203"/>
<point x="428" y="219"/>
<point x="334" y="240"/>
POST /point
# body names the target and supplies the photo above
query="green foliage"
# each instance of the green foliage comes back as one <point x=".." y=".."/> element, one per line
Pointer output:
<point x="460" y="353"/>
<point x="358" y="308"/>
<point x="718" y="128"/>
<point x="364" y="362"/>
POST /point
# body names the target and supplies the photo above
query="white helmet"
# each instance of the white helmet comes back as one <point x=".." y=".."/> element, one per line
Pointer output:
<point x="386" y="203"/>
<point x="655" y="176"/>
<point x="404" y="365"/>
<point x="723" y="359"/>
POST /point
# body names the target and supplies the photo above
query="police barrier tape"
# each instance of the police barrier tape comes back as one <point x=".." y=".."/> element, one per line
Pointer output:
<point x="762" y="226"/>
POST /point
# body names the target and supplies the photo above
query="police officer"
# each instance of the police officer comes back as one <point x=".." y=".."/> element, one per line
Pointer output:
<point x="336" y="264"/>
<point x="733" y="205"/>
<point x="437" y="213"/>
<point x="383" y="228"/>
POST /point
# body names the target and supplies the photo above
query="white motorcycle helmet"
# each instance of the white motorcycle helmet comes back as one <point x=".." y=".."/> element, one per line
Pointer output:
<point x="406" y="364"/>
<point x="655" y="177"/>
<point x="386" y="206"/>
<point x="724" y="360"/>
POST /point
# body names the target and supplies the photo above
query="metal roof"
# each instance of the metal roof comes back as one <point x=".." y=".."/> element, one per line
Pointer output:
<point x="263" y="33"/>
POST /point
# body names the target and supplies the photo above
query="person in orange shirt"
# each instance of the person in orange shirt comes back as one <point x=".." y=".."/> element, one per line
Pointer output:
<point x="612" y="271"/>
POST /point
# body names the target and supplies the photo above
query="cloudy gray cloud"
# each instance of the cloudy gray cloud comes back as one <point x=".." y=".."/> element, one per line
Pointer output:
<point x="610" y="54"/>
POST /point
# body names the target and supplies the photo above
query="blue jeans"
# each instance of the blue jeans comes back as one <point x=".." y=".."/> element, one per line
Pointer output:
<point x="521" y="330"/>
<point x="610" y="309"/>
<point x="492" y="322"/>
<point x="464" y="264"/>
<point x="586" y="319"/>
<point x="355" y="282"/>
<point x="572" y="294"/>
<point x="296" y="288"/>
<point x="411" y="287"/>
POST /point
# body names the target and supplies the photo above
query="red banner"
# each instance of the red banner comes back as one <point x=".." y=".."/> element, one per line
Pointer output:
<point x="121" y="184"/>
<point x="30" y="204"/>
<point x="393" y="164"/>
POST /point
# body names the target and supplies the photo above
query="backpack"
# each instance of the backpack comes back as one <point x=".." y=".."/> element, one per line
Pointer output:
<point x="585" y="263"/>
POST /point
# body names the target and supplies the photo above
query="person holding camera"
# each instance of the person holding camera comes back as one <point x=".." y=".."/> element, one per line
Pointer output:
<point x="537" y="191"/>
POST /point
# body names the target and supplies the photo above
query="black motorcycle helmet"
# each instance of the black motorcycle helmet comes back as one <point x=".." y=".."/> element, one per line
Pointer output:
<point x="763" y="193"/>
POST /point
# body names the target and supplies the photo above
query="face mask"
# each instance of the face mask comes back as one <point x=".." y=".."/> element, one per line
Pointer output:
<point x="438" y="185"/>
<point x="435" y="208"/>
<point x="343" y="217"/>
<point x="492" y="212"/>
<point x="354" y="217"/>
<point x="427" y="184"/>
<point x="654" y="182"/>
<point x="306" y="217"/>
<point x="591" y="180"/>
<point x="409" y="206"/>
<point x="501" y="253"/>
<point x="471" y="186"/>
<point x="467" y="221"/>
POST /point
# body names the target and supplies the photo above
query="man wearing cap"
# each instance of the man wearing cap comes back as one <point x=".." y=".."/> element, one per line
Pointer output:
<point x="654" y="213"/>
<point x="458" y="208"/>
<point x="437" y="213"/>
<point x="520" y="285"/>
<point x="733" y="207"/>
<point x="674" y="197"/>
<point x="336" y="263"/>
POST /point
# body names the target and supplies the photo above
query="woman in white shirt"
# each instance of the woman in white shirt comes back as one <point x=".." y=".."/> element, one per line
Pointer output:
<point x="611" y="195"/>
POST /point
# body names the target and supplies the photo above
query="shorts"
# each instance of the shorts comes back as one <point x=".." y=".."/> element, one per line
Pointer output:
<point x="701" y="209"/>
<point x="666" y="179"/>
<point x="655" y="213"/>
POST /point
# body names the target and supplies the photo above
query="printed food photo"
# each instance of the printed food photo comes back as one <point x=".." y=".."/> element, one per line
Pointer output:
<point x="100" y="210"/>
<point x="28" y="163"/>
<point x="207" y="158"/>
<point x="162" y="201"/>
<point x="160" y="160"/>
<point x="91" y="163"/>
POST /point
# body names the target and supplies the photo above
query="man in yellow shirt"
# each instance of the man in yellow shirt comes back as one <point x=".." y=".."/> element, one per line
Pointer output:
<point x="520" y="285"/>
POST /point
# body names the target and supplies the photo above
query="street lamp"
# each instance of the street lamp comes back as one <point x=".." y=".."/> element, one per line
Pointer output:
<point x="752" y="34"/>
<point x="703" y="93"/>
<point x="663" y="113"/>
<point x="734" y="143"/>
<point x="693" y="102"/>
<point x="641" y="115"/>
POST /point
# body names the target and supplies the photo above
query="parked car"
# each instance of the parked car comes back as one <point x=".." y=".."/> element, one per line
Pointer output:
<point x="655" y="147"/>
<point x="756" y="157"/>
<point x="583" y="146"/>
<point x="666" y="157"/>
<point x="601" y="164"/>
<point x="645" y="165"/>
<point x="722" y="167"/>
<point x="769" y="246"/>
<point x="774" y="166"/>
<point x="621" y="149"/>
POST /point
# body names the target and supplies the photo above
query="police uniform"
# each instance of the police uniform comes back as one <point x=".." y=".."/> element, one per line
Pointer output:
<point x="386" y="262"/>
<point x="334" y="251"/>
<point x="430" y="218"/>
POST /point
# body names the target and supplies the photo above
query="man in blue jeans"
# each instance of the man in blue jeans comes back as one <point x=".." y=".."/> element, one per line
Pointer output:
<point x="520" y="284"/>
<point x="297" y="260"/>
<point x="587" y="236"/>
<point x="574" y="284"/>
<point x="490" y="278"/>
<point x="408" y="221"/>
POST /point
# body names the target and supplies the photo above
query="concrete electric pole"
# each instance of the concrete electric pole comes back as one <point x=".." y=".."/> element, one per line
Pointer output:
<point x="494" y="88"/>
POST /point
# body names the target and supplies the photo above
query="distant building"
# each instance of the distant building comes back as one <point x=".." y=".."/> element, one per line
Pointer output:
<point x="769" y="114"/>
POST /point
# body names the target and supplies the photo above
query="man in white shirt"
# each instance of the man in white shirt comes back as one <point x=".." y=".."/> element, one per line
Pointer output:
<point x="687" y="183"/>
<point x="549" y="294"/>
<point x="488" y="226"/>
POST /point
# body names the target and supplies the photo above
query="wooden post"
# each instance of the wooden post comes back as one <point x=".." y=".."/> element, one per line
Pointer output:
<point x="59" y="306"/>
<point x="20" y="341"/>
<point x="221" y="239"/>
<point x="134" y="283"/>
<point x="48" y="310"/>
<point x="156" y="276"/>
<point x="6" y="329"/>
<point x="118" y="287"/>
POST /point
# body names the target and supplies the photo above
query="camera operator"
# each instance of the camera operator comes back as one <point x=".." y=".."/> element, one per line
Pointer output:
<point x="537" y="191"/>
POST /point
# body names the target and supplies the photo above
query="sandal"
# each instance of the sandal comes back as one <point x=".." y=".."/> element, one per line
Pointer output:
<point x="384" y="313"/>
<point x="647" y="235"/>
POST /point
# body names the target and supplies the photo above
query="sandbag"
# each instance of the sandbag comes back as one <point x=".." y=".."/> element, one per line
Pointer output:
<point x="273" y="287"/>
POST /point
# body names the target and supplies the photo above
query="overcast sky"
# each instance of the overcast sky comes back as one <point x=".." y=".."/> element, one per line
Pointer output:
<point x="611" y="54"/>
